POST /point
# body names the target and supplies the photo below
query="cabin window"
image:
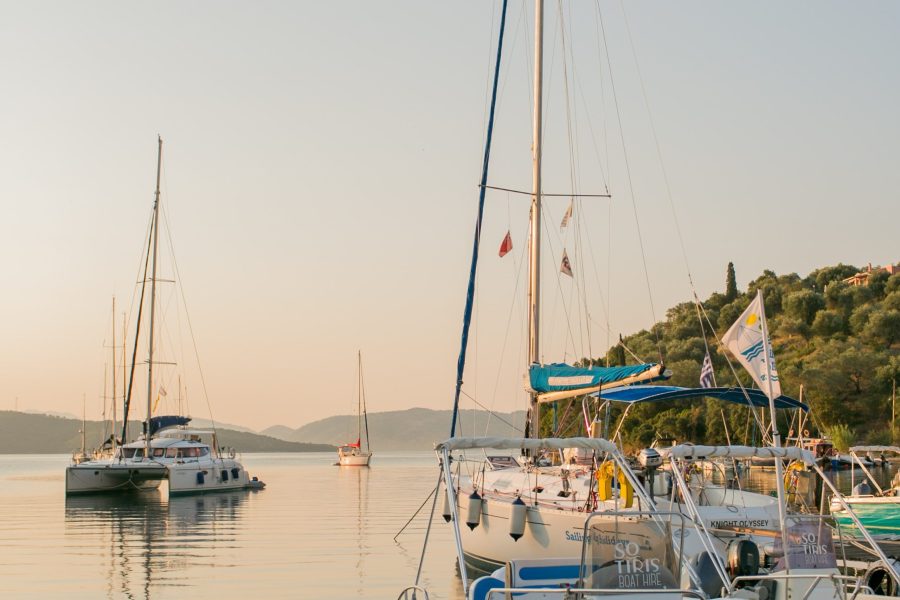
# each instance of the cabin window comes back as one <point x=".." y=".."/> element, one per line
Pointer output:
<point x="202" y="451"/>
<point x="171" y="452"/>
<point x="159" y="452"/>
<point x="138" y="453"/>
<point x="128" y="452"/>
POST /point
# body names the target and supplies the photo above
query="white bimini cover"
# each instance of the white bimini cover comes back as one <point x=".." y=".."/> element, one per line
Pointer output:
<point x="499" y="443"/>
<point x="875" y="449"/>
<point x="691" y="451"/>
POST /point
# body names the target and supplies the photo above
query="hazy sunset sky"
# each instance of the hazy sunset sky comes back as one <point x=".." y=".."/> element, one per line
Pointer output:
<point x="320" y="169"/>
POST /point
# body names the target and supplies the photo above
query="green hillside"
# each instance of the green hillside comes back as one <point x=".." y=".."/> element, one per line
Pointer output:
<point x="26" y="433"/>
<point x="841" y="342"/>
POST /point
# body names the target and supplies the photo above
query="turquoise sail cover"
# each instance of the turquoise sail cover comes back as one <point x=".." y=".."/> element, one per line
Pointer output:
<point x="561" y="377"/>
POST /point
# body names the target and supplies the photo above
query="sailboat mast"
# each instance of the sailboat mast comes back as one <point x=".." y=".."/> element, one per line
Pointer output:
<point x="153" y="296"/>
<point x="358" y="396"/>
<point x="113" y="428"/>
<point x="534" y="254"/>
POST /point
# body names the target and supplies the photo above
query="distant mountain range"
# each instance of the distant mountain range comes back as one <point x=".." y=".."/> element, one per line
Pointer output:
<point x="411" y="429"/>
<point x="29" y="433"/>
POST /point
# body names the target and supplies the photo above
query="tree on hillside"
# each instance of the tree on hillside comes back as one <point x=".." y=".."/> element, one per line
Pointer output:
<point x="731" y="290"/>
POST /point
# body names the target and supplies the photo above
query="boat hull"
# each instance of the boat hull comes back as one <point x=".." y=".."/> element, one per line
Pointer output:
<point x="113" y="477"/>
<point x="355" y="460"/>
<point x="220" y="475"/>
<point x="879" y="515"/>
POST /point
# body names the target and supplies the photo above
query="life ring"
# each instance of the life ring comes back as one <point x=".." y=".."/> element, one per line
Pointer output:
<point x="806" y="433"/>
<point x="605" y="475"/>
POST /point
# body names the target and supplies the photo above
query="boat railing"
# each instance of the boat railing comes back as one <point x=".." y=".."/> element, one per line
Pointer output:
<point x="573" y="592"/>
<point x="414" y="590"/>
<point x="848" y="584"/>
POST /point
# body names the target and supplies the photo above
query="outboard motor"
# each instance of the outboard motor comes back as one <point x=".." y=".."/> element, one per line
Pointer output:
<point x="862" y="489"/>
<point x="742" y="558"/>
<point x="649" y="460"/>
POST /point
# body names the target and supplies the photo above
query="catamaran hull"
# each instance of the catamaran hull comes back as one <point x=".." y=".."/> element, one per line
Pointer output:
<point x="87" y="478"/>
<point x="201" y="478"/>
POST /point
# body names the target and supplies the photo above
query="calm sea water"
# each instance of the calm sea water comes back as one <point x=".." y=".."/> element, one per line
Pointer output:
<point x="316" y="531"/>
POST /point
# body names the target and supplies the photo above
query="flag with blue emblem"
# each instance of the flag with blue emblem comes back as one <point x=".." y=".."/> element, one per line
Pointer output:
<point x="748" y="340"/>
<point x="707" y="377"/>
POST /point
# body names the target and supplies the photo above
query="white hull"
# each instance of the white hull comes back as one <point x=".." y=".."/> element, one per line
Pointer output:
<point x="555" y="533"/>
<point x="355" y="460"/>
<point x="202" y="477"/>
<point x="98" y="477"/>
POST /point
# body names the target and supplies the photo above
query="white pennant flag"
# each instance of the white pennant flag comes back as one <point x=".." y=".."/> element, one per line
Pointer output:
<point x="748" y="340"/>
<point x="566" y="266"/>
<point x="568" y="215"/>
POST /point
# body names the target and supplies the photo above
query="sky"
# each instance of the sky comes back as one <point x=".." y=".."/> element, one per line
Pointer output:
<point x="320" y="172"/>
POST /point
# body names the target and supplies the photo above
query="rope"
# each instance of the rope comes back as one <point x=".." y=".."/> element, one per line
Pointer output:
<point x="629" y="178"/>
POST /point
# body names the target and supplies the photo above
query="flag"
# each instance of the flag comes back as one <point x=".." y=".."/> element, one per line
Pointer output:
<point x="707" y="377"/>
<point x="506" y="245"/>
<point x="749" y="342"/>
<point x="566" y="266"/>
<point x="568" y="215"/>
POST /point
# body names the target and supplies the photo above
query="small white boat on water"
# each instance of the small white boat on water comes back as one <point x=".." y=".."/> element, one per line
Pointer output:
<point x="353" y="454"/>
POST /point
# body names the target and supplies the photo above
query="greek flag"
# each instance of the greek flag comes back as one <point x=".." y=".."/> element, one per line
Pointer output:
<point x="707" y="377"/>
<point x="748" y="341"/>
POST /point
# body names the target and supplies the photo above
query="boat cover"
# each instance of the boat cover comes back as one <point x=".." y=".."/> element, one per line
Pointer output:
<point x="562" y="377"/>
<point x="692" y="451"/>
<point x="499" y="443"/>
<point x="875" y="449"/>
<point x="163" y="421"/>
<point x="662" y="393"/>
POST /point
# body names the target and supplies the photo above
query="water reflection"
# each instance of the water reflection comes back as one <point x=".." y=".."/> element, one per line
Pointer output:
<point x="145" y="540"/>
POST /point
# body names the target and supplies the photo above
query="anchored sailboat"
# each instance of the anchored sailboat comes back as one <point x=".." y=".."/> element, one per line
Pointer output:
<point x="353" y="454"/>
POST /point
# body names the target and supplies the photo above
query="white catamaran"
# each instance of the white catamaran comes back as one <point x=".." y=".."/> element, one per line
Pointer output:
<point x="191" y="460"/>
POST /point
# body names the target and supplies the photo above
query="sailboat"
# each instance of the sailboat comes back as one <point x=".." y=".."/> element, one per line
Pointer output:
<point x="190" y="459"/>
<point x="352" y="454"/>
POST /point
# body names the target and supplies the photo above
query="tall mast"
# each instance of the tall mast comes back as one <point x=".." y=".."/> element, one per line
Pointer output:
<point x="534" y="254"/>
<point x="153" y="297"/>
<point x="113" y="428"/>
<point x="124" y="367"/>
<point x="358" y="396"/>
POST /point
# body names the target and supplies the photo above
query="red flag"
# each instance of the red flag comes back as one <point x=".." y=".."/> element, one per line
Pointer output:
<point x="506" y="245"/>
<point x="566" y="267"/>
<point x="356" y="445"/>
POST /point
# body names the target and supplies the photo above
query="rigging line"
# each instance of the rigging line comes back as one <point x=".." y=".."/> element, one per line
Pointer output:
<point x="491" y="412"/>
<point x="545" y="194"/>
<point x="606" y="154"/>
<point x="127" y="402"/>
<point x="548" y="234"/>
<point x="187" y="315"/>
<point x="637" y="222"/>
<point x="628" y="350"/>
<point x="470" y="293"/>
<point x="659" y="156"/>
<point x="571" y="115"/>
<point x="517" y="269"/>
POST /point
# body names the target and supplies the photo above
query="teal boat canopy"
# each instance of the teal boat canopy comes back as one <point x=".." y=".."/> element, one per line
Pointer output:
<point x="561" y="377"/>
<point x="665" y="393"/>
